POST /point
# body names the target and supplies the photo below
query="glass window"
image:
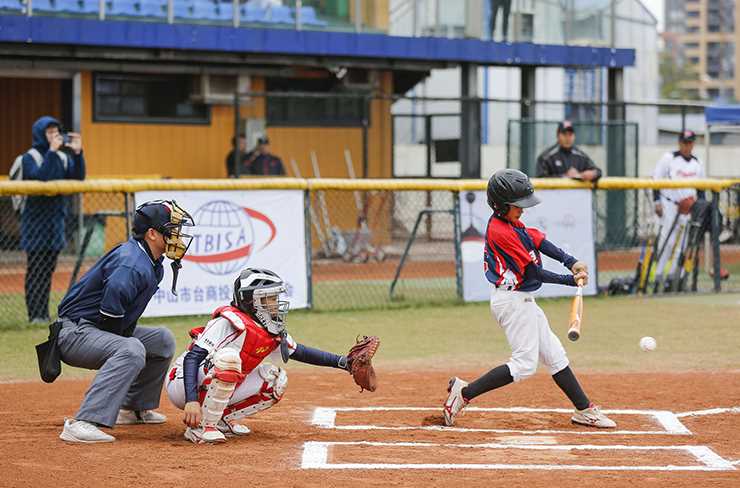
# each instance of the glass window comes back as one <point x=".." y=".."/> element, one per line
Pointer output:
<point x="147" y="99"/>
<point x="308" y="109"/>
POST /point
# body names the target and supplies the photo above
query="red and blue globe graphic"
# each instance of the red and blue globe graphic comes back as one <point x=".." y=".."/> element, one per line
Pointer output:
<point x="225" y="236"/>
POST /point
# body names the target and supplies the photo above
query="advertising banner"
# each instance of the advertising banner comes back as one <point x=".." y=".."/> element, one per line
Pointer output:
<point x="566" y="218"/>
<point x="233" y="230"/>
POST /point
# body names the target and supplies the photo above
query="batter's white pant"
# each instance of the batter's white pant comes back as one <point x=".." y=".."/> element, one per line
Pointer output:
<point x="528" y="333"/>
<point x="251" y="385"/>
<point x="669" y="259"/>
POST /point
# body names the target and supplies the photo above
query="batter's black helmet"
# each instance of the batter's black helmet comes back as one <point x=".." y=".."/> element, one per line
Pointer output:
<point x="510" y="187"/>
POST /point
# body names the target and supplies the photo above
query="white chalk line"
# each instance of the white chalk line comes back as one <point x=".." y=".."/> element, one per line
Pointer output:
<point x="325" y="417"/>
<point x="709" y="411"/>
<point x="316" y="454"/>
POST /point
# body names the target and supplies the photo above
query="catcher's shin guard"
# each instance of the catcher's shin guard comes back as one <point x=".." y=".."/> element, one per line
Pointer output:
<point x="274" y="383"/>
<point x="226" y="374"/>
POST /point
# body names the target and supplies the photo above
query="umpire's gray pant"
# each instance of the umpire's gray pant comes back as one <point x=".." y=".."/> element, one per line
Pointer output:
<point x="131" y="369"/>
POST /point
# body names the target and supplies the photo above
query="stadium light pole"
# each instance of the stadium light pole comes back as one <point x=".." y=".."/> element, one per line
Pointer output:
<point x="358" y="15"/>
<point x="298" y="8"/>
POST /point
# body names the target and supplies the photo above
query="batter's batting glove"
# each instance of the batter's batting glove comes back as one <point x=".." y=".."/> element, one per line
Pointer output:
<point x="359" y="362"/>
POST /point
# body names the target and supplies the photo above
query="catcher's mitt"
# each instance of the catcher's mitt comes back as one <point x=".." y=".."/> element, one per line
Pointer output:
<point x="684" y="206"/>
<point x="359" y="362"/>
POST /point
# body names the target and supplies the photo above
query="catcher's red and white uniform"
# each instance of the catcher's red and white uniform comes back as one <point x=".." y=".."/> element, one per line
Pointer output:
<point x="260" y="384"/>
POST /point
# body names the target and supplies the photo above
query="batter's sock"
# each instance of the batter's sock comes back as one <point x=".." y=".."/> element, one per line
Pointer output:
<point x="496" y="378"/>
<point x="567" y="382"/>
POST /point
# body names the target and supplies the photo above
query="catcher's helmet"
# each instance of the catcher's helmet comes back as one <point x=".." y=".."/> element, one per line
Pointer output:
<point x="510" y="187"/>
<point x="256" y="292"/>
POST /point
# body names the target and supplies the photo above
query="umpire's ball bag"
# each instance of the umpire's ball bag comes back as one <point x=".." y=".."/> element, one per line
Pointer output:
<point x="50" y="358"/>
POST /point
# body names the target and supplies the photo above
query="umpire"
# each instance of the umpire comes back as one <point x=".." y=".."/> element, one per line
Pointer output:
<point x="566" y="160"/>
<point x="98" y="317"/>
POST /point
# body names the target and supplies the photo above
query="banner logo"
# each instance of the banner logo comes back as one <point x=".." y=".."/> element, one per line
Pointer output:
<point x="226" y="235"/>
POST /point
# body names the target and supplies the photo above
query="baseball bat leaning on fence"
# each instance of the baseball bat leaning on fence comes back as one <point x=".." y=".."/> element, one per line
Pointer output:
<point x="576" y="314"/>
<point x="337" y="244"/>
<point x="312" y="214"/>
<point x="360" y="246"/>
<point x="662" y="248"/>
<point x="661" y="273"/>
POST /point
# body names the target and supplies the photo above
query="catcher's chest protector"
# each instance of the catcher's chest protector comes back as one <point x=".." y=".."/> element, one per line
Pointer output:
<point x="258" y="343"/>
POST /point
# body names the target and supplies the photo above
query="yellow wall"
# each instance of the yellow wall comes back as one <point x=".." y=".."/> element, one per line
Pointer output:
<point x="172" y="150"/>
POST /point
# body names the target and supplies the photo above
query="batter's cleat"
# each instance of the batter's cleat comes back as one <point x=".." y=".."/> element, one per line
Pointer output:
<point x="83" y="432"/>
<point x="204" y="435"/>
<point x="592" y="417"/>
<point x="232" y="428"/>
<point x="131" y="417"/>
<point x="455" y="401"/>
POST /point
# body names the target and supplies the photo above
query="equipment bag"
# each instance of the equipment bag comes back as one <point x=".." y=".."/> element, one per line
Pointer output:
<point x="49" y="355"/>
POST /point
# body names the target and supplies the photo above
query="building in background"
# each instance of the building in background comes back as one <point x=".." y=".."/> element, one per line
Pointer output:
<point x="607" y="23"/>
<point x="709" y="41"/>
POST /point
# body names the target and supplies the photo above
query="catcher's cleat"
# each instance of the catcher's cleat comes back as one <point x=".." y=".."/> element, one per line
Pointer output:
<point x="131" y="417"/>
<point x="83" y="432"/>
<point x="207" y="435"/>
<point x="232" y="428"/>
<point x="592" y="417"/>
<point x="455" y="401"/>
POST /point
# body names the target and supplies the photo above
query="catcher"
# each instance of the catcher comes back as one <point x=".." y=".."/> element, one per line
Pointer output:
<point x="230" y="371"/>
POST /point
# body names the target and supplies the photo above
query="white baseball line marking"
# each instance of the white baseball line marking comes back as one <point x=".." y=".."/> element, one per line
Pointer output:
<point x="316" y="455"/>
<point x="709" y="411"/>
<point x="325" y="417"/>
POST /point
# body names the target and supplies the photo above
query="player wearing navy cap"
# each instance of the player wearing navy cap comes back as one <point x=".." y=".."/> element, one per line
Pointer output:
<point x="564" y="159"/>
<point x="513" y="267"/>
<point x="99" y="314"/>
<point x="673" y="206"/>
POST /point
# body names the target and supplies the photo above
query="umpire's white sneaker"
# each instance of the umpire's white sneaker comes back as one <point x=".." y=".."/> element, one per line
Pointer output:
<point x="593" y="417"/>
<point x="455" y="401"/>
<point x="232" y="428"/>
<point x="83" y="432"/>
<point x="131" y="417"/>
<point x="204" y="435"/>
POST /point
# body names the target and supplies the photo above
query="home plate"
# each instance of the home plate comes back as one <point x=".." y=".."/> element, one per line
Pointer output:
<point x="527" y="439"/>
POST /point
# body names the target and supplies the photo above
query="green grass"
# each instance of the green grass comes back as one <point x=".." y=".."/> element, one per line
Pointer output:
<point x="695" y="332"/>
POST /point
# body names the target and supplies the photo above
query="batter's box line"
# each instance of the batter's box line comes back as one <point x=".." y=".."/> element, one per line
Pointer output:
<point x="316" y="455"/>
<point x="325" y="418"/>
<point x="708" y="411"/>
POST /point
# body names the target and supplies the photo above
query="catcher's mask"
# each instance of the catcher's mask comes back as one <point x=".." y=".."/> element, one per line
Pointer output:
<point x="167" y="218"/>
<point x="257" y="292"/>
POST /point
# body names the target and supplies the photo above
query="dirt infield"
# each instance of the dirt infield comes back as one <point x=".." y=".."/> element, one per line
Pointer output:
<point x="491" y="437"/>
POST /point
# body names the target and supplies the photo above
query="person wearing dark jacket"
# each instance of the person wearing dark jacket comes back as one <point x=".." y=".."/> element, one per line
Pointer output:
<point x="237" y="157"/>
<point x="43" y="218"/>
<point x="565" y="160"/>
<point x="261" y="162"/>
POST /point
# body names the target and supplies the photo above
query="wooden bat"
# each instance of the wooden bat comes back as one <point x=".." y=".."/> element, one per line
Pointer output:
<point x="576" y="314"/>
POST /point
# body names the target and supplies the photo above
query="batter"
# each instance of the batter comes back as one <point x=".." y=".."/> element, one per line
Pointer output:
<point x="513" y="267"/>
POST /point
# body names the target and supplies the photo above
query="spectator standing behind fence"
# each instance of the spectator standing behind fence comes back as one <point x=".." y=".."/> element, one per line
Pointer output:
<point x="43" y="218"/>
<point x="565" y="160"/>
<point x="237" y="155"/>
<point x="505" y="7"/>
<point x="262" y="162"/>
<point x="673" y="206"/>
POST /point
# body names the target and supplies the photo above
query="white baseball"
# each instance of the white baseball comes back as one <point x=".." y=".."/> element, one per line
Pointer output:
<point x="648" y="344"/>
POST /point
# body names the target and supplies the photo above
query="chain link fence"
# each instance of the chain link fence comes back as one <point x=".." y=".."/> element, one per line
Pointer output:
<point x="369" y="249"/>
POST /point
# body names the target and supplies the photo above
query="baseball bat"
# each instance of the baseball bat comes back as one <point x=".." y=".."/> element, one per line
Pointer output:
<point x="576" y="314"/>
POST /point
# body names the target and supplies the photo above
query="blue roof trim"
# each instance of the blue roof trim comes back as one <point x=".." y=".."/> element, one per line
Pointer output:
<point x="90" y="32"/>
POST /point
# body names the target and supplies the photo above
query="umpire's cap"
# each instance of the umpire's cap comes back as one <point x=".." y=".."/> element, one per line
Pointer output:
<point x="164" y="216"/>
<point x="510" y="187"/>
<point x="566" y="126"/>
